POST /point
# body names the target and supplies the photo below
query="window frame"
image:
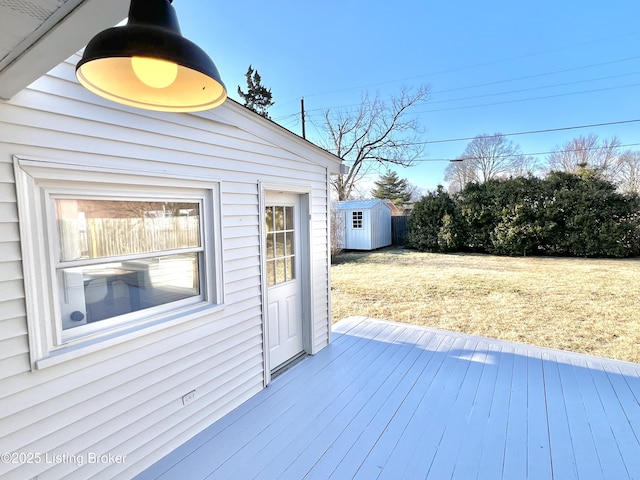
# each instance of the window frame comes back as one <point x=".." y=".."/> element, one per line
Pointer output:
<point x="66" y="335"/>
<point x="357" y="223"/>
<point x="38" y="184"/>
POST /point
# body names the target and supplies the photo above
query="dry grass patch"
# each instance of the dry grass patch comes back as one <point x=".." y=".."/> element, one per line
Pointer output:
<point x="582" y="305"/>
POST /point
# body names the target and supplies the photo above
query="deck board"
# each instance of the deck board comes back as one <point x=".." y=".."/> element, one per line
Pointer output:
<point x="560" y="435"/>
<point x="391" y="401"/>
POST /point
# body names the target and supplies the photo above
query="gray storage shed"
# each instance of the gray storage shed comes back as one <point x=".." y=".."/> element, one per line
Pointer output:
<point x="364" y="224"/>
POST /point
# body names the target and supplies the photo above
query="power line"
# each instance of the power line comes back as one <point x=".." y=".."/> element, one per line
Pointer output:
<point x="530" y="132"/>
<point x="497" y="82"/>
<point x="530" y="99"/>
<point x="318" y="111"/>
<point x="533" y="154"/>
<point x="542" y="87"/>
<point x="527" y="132"/>
<point x="315" y="126"/>
<point x="467" y="67"/>
<point x="537" y="75"/>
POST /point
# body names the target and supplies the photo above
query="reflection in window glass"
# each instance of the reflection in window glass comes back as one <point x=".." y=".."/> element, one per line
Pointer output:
<point x="289" y="268"/>
<point x="281" y="275"/>
<point x="280" y="252"/>
<point x="289" y="243"/>
<point x="270" y="246"/>
<point x="288" y="218"/>
<point x="271" y="272"/>
<point x="279" y="218"/>
<point x="151" y="270"/>
<point x="280" y="243"/>
<point x="104" y="228"/>
<point x="98" y="292"/>
<point x="269" y="219"/>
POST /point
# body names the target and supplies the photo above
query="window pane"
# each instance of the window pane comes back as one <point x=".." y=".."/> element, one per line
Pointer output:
<point x="280" y="245"/>
<point x="105" y="228"/>
<point x="92" y="293"/>
<point x="271" y="272"/>
<point x="269" y="219"/>
<point x="280" y="272"/>
<point x="279" y="214"/>
<point x="291" y="274"/>
<point x="271" y="252"/>
<point x="288" y="218"/>
<point x="289" y="243"/>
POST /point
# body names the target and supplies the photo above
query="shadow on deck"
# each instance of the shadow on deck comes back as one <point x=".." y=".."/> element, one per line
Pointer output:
<point x="390" y="401"/>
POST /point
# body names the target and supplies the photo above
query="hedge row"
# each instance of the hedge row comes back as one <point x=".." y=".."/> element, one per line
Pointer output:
<point x="563" y="214"/>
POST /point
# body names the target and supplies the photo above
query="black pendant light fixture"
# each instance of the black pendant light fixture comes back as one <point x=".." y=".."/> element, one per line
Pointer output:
<point x="148" y="64"/>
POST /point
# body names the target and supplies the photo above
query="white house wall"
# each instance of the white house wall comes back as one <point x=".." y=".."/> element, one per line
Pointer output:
<point x="126" y="399"/>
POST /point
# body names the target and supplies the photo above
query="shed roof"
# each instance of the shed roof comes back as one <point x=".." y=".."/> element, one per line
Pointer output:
<point x="358" y="204"/>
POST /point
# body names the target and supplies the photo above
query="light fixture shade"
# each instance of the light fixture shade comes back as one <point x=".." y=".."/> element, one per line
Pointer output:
<point x="112" y="62"/>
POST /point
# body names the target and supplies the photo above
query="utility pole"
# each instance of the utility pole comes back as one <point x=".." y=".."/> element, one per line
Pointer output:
<point x="304" y="133"/>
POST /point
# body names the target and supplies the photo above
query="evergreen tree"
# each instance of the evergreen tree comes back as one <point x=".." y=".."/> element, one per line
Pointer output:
<point x="391" y="187"/>
<point x="257" y="97"/>
<point x="434" y="224"/>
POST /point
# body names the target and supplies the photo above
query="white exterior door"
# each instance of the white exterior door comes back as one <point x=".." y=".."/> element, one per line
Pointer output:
<point x="284" y="285"/>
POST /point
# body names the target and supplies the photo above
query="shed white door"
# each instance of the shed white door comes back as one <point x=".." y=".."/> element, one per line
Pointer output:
<point x="284" y="285"/>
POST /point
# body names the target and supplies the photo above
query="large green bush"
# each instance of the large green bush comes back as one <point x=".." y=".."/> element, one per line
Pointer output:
<point x="563" y="214"/>
<point x="433" y="223"/>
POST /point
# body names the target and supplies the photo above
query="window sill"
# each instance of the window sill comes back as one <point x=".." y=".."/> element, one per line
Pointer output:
<point x="127" y="333"/>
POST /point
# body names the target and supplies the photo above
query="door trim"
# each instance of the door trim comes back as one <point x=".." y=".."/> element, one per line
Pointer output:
<point x="304" y="194"/>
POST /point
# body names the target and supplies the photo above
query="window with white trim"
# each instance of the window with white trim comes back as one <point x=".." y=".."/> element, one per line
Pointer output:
<point x="356" y="219"/>
<point x="115" y="257"/>
<point x="113" y="253"/>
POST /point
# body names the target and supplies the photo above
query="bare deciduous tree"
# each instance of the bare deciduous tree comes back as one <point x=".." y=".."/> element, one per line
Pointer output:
<point x="492" y="155"/>
<point x="459" y="173"/>
<point x="487" y="157"/>
<point x="587" y="151"/>
<point x="524" y="166"/>
<point x="337" y="232"/>
<point x="376" y="134"/>
<point x="629" y="172"/>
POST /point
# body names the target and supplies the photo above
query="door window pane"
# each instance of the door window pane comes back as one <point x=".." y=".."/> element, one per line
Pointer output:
<point x="280" y="252"/>
<point x="289" y="243"/>
<point x="288" y="218"/>
<point x="280" y="271"/>
<point x="289" y="269"/>
<point x="269" y="219"/>
<point x="280" y="241"/>
<point x="279" y="218"/>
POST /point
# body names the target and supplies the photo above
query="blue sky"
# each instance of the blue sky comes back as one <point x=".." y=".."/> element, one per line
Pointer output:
<point x="496" y="66"/>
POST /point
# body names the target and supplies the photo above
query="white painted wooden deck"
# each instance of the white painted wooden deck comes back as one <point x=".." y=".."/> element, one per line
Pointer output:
<point x="394" y="401"/>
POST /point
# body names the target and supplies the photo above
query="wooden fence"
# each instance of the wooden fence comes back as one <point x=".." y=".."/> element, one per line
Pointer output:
<point x="399" y="228"/>
<point x="107" y="237"/>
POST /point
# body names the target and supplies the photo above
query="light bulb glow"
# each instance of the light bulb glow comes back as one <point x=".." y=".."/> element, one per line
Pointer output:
<point x="154" y="72"/>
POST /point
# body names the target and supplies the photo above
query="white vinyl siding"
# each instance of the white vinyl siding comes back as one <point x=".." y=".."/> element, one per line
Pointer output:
<point x="14" y="342"/>
<point x="127" y="398"/>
